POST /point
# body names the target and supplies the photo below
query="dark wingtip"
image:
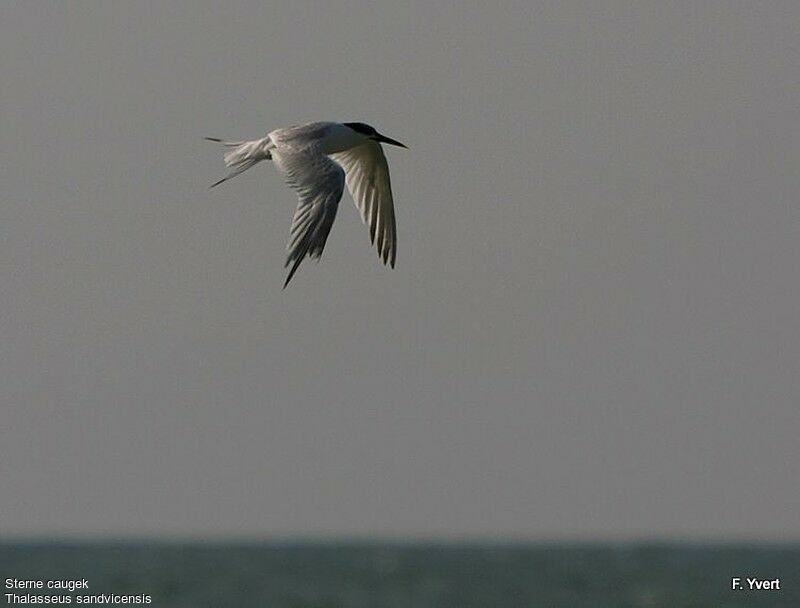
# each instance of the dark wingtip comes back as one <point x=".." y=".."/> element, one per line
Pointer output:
<point x="224" y="178"/>
<point x="293" y="269"/>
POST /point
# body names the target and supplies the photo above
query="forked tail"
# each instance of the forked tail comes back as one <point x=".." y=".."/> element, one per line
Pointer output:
<point x="243" y="155"/>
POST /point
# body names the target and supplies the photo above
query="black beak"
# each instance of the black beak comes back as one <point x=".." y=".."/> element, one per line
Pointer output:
<point x="388" y="140"/>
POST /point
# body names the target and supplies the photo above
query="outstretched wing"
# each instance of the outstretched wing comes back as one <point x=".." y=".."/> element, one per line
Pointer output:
<point x="319" y="183"/>
<point x="368" y="182"/>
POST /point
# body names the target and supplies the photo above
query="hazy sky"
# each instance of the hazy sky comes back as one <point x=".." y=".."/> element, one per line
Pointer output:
<point x="592" y="329"/>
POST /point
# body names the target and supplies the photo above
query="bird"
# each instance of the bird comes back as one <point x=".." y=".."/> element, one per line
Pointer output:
<point x="318" y="159"/>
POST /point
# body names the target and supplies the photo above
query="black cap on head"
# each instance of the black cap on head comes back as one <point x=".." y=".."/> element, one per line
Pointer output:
<point x="360" y="127"/>
<point x="371" y="133"/>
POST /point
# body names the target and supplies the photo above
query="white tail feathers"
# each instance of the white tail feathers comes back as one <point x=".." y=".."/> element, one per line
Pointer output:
<point x="243" y="155"/>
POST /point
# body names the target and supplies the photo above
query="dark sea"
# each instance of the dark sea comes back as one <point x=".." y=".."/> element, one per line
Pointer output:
<point x="399" y="575"/>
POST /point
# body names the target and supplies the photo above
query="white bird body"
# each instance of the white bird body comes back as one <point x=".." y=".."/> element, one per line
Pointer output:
<point x="319" y="159"/>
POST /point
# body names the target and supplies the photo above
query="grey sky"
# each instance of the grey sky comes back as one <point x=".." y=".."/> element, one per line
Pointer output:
<point x="592" y="330"/>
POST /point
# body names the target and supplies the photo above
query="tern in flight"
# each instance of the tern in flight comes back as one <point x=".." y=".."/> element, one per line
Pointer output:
<point x="319" y="159"/>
